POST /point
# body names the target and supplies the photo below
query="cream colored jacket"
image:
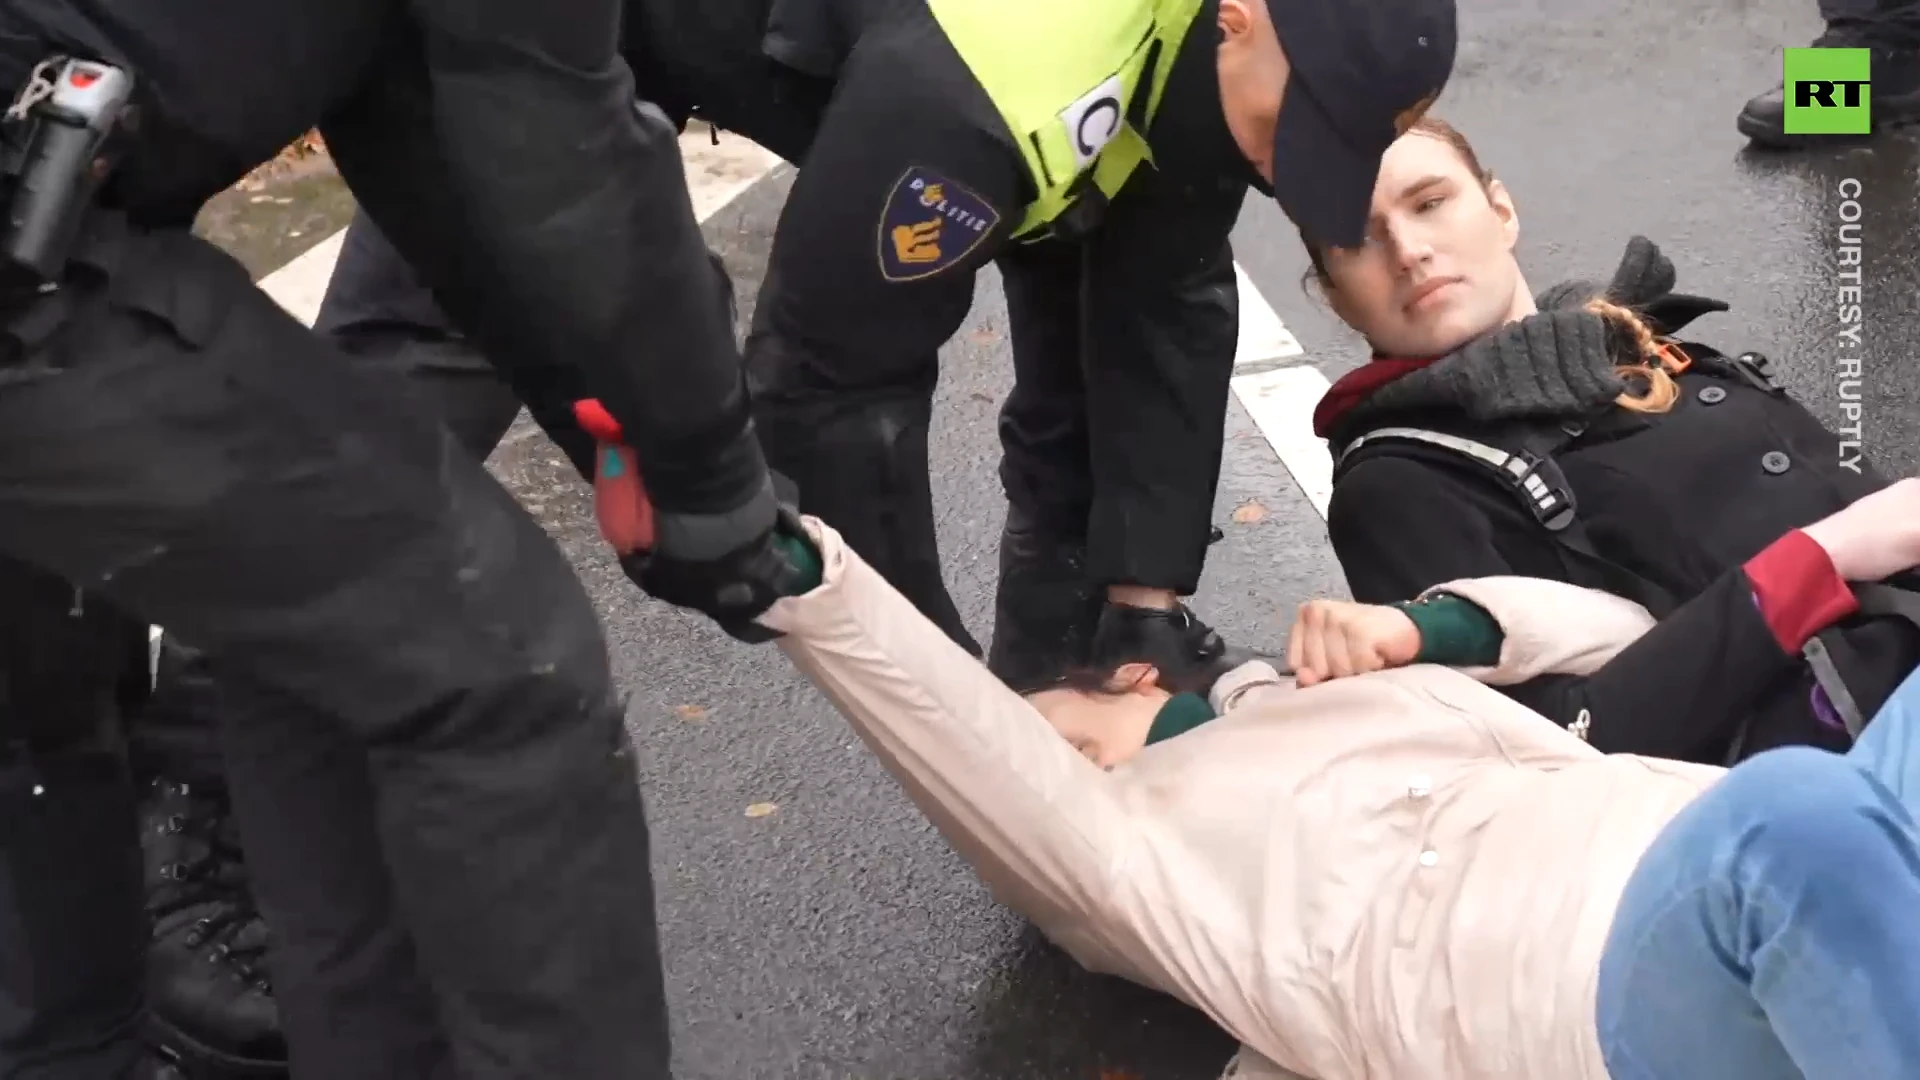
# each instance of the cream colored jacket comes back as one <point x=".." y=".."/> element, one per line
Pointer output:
<point x="1397" y="876"/>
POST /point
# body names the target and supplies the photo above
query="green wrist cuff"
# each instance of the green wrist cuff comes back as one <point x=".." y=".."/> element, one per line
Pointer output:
<point x="1454" y="631"/>
<point x="804" y="556"/>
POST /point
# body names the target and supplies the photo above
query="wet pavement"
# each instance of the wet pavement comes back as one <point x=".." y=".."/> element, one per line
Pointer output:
<point x="837" y="937"/>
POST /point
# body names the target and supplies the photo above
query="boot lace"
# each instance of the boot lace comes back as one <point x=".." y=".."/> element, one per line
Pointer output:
<point x="233" y="931"/>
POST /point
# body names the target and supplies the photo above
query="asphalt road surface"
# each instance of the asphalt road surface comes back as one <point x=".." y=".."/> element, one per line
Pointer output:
<point x="836" y="937"/>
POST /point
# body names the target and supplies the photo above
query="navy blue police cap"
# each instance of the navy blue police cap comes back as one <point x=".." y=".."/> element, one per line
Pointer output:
<point x="1363" y="72"/>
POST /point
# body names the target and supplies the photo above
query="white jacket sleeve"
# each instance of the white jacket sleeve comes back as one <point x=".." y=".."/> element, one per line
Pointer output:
<point x="1034" y="818"/>
<point x="1551" y="627"/>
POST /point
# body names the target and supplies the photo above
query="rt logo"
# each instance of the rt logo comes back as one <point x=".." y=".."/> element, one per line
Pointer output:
<point x="1828" y="92"/>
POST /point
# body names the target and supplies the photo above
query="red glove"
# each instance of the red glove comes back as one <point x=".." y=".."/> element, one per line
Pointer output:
<point x="619" y="498"/>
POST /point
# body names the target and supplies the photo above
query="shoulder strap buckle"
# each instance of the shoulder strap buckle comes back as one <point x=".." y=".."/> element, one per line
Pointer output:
<point x="1530" y="471"/>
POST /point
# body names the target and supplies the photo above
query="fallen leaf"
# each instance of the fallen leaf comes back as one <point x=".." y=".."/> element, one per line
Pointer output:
<point x="690" y="713"/>
<point x="983" y="335"/>
<point x="1249" y="512"/>
<point x="1118" y="1074"/>
<point x="978" y="396"/>
<point x="761" y="809"/>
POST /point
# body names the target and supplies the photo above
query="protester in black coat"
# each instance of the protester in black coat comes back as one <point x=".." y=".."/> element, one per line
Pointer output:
<point x="1567" y="437"/>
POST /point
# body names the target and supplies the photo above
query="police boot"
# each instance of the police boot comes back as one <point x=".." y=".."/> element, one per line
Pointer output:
<point x="71" y="933"/>
<point x="1896" y="88"/>
<point x="1190" y="655"/>
<point x="211" y="1004"/>
<point x="1044" y="609"/>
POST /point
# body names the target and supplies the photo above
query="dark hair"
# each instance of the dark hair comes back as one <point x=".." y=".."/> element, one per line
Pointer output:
<point x="1097" y="680"/>
<point x="1653" y="362"/>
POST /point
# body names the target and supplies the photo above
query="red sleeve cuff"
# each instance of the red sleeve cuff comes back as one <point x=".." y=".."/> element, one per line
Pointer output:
<point x="1798" y="590"/>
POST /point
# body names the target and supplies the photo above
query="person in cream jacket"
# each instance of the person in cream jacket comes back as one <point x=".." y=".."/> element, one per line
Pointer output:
<point x="1402" y="874"/>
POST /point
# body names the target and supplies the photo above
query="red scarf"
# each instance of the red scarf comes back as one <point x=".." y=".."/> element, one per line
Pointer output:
<point x="1356" y="386"/>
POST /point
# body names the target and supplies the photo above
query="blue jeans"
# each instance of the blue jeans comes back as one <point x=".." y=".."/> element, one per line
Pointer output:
<point x="1772" y="931"/>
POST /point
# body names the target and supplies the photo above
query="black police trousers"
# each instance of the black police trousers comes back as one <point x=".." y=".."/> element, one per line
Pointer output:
<point x="72" y="934"/>
<point x="425" y="751"/>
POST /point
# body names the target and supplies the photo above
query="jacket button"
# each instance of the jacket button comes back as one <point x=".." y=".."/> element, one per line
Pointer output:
<point x="1420" y="786"/>
<point x="1429" y="857"/>
<point x="1713" y="395"/>
<point x="1775" y="462"/>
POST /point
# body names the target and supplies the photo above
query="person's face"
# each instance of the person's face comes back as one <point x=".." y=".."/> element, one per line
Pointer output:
<point x="1107" y="727"/>
<point x="1437" y="267"/>
<point x="1253" y="77"/>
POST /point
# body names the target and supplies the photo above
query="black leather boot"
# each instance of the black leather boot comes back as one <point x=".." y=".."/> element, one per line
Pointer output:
<point x="211" y="1004"/>
<point x="1896" y="89"/>
<point x="1190" y="654"/>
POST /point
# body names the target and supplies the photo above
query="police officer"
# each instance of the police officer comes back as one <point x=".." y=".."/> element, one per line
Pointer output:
<point x="1098" y="152"/>
<point x="430" y="732"/>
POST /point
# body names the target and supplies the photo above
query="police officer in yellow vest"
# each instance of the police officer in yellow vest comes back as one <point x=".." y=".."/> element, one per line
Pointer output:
<point x="1097" y="152"/>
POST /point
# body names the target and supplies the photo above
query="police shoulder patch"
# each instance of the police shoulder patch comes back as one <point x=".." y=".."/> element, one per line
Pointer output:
<point x="929" y="224"/>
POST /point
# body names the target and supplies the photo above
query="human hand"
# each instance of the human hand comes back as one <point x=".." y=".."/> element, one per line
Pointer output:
<point x="733" y="589"/>
<point x="732" y="581"/>
<point x="1336" y="638"/>
<point x="1875" y="537"/>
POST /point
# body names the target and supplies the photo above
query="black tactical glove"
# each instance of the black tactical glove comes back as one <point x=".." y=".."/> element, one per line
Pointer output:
<point x="735" y="588"/>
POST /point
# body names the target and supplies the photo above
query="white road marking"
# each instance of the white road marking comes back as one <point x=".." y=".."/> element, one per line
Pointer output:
<point x="1281" y="398"/>
<point x="1263" y="337"/>
<point x="719" y="173"/>
<point x="301" y="284"/>
<point x="1281" y="402"/>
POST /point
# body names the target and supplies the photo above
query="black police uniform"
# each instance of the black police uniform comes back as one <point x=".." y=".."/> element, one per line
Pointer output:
<point x="430" y="733"/>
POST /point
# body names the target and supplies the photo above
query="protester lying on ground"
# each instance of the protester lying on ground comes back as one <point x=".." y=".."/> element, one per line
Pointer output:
<point x="1407" y="873"/>
<point x="1667" y="472"/>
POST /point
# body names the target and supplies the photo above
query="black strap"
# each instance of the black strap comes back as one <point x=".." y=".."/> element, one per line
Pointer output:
<point x="1891" y="600"/>
<point x="1531" y="474"/>
<point x="1876" y="600"/>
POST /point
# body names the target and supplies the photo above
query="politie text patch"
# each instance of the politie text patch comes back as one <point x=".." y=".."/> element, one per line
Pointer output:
<point x="930" y="223"/>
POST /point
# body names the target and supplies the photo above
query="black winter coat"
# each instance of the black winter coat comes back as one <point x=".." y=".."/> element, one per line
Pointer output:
<point x="1681" y="500"/>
